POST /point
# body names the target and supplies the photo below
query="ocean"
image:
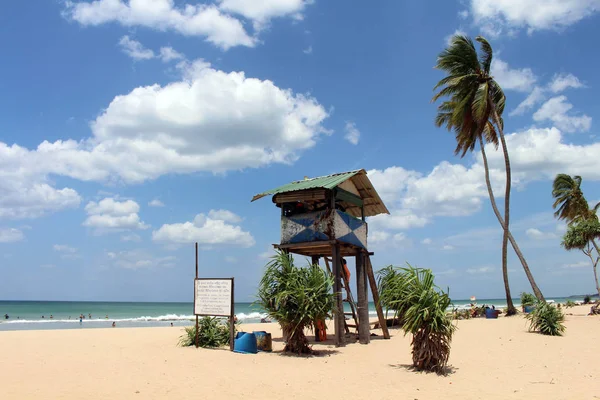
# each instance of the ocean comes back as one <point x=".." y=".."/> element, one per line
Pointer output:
<point x="32" y="315"/>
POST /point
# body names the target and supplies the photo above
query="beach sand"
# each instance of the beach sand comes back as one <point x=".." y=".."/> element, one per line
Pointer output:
<point x="490" y="359"/>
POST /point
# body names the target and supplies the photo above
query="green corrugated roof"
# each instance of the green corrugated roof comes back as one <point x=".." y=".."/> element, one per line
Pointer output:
<point x="324" y="182"/>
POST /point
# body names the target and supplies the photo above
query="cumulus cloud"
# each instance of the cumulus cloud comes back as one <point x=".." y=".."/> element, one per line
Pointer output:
<point x="156" y="203"/>
<point x="10" y="235"/>
<point x="260" y="12"/>
<point x="448" y="39"/>
<point x="536" y="96"/>
<point x="561" y="82"/>
<point x="416" y="198"/>
<point x="556" y="111"/>
<point x="204" y="20"/>
<point x="521" y="80"/>
<point x="426" y="241"/>
<point x="135" y="49"/>
<point x="352" y="133"/>
<point x="168" y="54"/>
<point x="308" y="50"/>
<point x="210" y="120"/>
<point x="537" y="234"/>
<point x="497" y="16"/>
<point x="214" y="22"/>
<point x="216" y="228"/>
<point x="110" y="215"/>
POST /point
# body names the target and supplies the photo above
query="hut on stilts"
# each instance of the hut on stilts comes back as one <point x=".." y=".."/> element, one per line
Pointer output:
<point x="324" y="217"/>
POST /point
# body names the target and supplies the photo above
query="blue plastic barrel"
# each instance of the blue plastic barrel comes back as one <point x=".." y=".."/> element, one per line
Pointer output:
<point x="489" y="313"/>
<point x="245" y="343"/>
<point x="528" y="309"/>
<point x="263" y="341"/>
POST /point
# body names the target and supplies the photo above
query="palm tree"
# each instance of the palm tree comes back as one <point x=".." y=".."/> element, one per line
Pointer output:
<point x="569" y="198"/>
<point x="584" y="228"/>
<point x="296" y="298"/>
<point x="474" y="113"/>
<point x="579" y="236"/>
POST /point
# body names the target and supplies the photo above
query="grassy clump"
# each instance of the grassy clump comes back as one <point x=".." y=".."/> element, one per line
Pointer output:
<point x="570" y="304"/>
<point x="546" y="319"/>
<point x="421" y="308"/>
<point x="295" y="297"/>
<point x="527" y="299"/>
<point x="212" y="332"/>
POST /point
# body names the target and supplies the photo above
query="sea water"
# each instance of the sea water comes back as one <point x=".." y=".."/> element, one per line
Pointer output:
<point x="28" y="315"/>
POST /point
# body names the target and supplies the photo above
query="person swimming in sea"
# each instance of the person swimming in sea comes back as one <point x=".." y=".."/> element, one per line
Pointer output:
<point x="6" y="316"/>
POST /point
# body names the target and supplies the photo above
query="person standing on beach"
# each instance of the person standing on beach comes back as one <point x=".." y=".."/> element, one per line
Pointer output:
<point x="80" y="318"/>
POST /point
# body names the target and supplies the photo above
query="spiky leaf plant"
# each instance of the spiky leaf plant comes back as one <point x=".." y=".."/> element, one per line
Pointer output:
<point x="546" y="319"/>
<point x="295" y="297"/>
<point x="212" y="332"/>
<point x="421" y="307"/>
<point x="527" y="299"/>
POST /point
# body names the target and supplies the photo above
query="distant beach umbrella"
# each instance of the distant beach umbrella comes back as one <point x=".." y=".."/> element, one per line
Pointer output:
<point x="473" y="298"/>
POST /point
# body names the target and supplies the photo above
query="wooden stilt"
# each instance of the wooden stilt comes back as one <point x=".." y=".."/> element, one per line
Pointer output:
<point x="373" y="284"/>
<point x="340" y="339"/>
<point x="363" y="302"/>
<point x="315" y="261"/>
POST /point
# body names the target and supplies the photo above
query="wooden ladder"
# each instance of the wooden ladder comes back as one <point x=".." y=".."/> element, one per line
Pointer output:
<point x="349" y="299"/>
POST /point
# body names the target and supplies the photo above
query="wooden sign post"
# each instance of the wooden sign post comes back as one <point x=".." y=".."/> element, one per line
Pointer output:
<point x="214" y="297"/>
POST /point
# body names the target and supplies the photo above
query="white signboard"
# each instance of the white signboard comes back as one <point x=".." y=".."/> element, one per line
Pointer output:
<point x="213" y="297"/>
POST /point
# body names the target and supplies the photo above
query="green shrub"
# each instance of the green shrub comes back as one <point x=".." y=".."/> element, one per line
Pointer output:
<point x="421" y="307"/>
<point x="570" y="304"/>
<point x="212" y="332"/>
<point x="587" y="299"/>
<point x="295" y="297"/>
<point x="527" y="299"/>
<point x="546" y="319"/>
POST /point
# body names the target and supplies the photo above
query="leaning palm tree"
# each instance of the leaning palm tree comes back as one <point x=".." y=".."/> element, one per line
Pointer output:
<point x="570" y="201"/>
<point x="581" y="236"/>
<point x="421" y="308"/>
<point x="474" y="112"/>
<point x="296" y="298"/>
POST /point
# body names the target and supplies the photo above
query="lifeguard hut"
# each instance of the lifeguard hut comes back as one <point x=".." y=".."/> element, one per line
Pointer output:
<point x="324" y="217"/>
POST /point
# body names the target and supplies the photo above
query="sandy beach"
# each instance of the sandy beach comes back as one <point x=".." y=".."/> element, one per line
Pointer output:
<point x="490" y="359"/>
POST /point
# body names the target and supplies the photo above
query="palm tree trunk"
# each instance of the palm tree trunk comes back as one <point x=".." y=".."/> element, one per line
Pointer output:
<point x="536" y="289"/>
<point x="595" y="264"/>
<point x="511" y="307"/>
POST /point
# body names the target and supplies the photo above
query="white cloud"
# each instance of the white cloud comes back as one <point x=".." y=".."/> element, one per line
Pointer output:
<point x="556" y="109"/>
<point x="426" y="241"/>
<point x="131" y="237"/>
<point x="580" y="264"/>
<point x="480" y="270"/>
<point x="536" y="96"/>
<point x="138" y="259"/>
<point x="224" y="215"/>
<point x="447" y="247"/>
<point x="496" y="16"/>
<point x="378" y="236"/>
<point x="63" y="248"/>
<point x="308" y="50"/>
<point x="170" y="54"/>
<point x="231" y="259"/>
<point x="352" y="133"/>
<point x="10" y="235"/>
<point x="109" y="215"/>
<point x="156" y="203"/>
<point x="135" y="49"/>
<point x="209" y="121"/>
<point x="536" y="234"/>
<point x="521" y="80"/>
<point x="205" y="20"/>
<point x="206" y="230"/>
<point x="25" y="192"/>
<point x="260" y="12"/>
<point x="464" y="14"/>
<point x="561" y="82"/>
<point x="448" y="39"/>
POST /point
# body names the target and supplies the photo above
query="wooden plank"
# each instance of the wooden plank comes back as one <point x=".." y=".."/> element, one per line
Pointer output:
<point x="348" y="197"/>
<point x="363" y="302"/>
<point x="300" y="196"/>
<point x="373" y="284"/>
<point x="232" y="317"/>
<point x="337" y="289"/>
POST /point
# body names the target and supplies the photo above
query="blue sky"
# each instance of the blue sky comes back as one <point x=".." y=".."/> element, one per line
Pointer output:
<point x="132" y="128"/>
